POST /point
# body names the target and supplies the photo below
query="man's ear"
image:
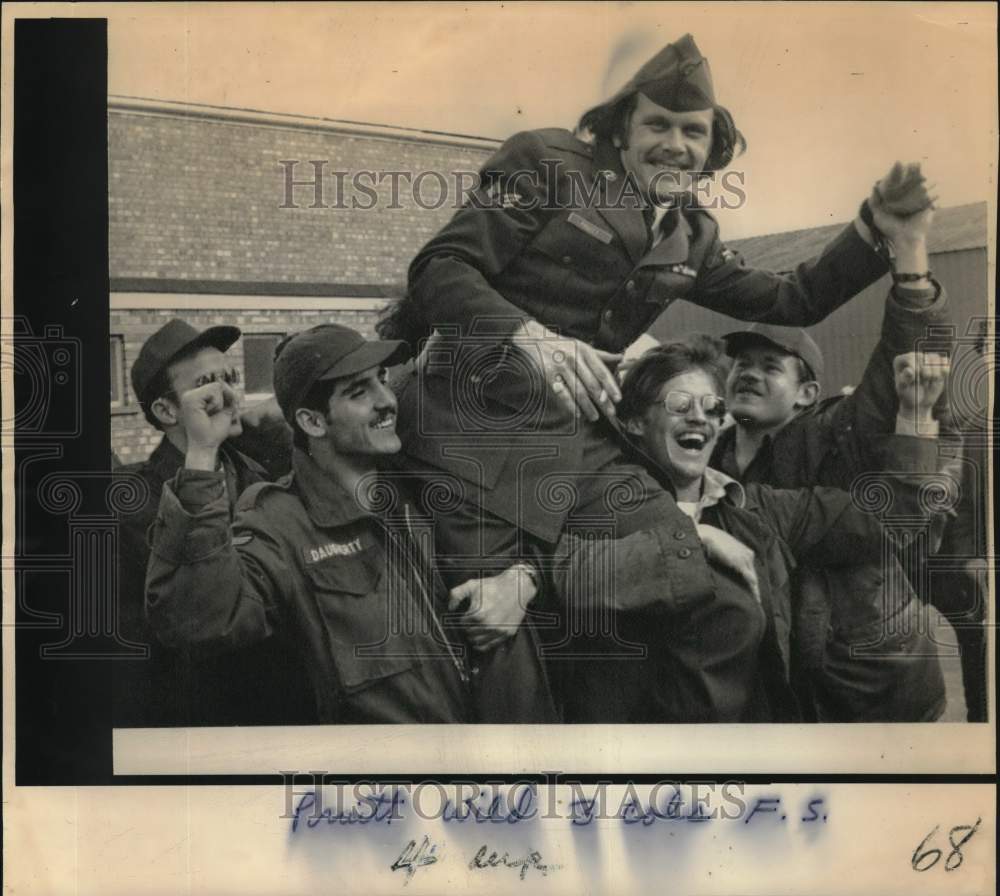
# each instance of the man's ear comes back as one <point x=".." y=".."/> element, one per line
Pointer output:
<point x="808" y="395"/>
<point x="312" y="423"/>
<point x="165" y="411"/>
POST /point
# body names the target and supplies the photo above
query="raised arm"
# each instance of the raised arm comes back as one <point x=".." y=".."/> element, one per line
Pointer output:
<point x="816" y="288"/>
<point x="915" y="320"/>
<point x="203" y="590"/>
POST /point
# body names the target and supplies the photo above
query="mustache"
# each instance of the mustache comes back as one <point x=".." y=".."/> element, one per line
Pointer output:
<point x="748" y="384"/>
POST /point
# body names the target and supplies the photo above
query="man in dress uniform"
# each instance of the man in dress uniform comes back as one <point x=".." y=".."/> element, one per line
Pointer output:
<point x="566" y="252"/>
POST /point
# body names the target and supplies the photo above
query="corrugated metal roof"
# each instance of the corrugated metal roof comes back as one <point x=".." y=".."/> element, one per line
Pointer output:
<point x="954" y="229"/>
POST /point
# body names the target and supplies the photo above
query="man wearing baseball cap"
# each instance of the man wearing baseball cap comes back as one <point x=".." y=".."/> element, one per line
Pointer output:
<point x="168" y="688"/>
<point x="333" y="555"/>
<point x="863" y="658"/>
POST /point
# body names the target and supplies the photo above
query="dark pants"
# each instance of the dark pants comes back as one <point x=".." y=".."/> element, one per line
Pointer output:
<point x="960" y="596"/>
<point x="509" y="683"/>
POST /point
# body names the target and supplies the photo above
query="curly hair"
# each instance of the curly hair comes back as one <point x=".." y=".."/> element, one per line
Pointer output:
<point x="611" y="120"/>
<point x="402" y="319"/>
<point x="642" y="384"/>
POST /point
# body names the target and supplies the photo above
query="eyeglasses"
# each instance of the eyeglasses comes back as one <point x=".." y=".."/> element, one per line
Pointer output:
<point x="230" y="377"/>
<point x="678" y="402"/>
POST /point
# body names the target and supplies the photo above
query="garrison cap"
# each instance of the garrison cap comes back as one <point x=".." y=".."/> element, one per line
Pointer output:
<point x="173" y="338"/>
<point x="792" y="340"/>
<point x="326" y="352"/>
<point x="678" y="78"/>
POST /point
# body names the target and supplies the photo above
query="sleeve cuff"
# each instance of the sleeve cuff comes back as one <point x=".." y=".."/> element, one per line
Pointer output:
<point x="908" y="453"/>
<point x="196" y="488"/>
<point x="684" y="557"/>
<point x="919" y="301"/>
<point x="922" y="429"/>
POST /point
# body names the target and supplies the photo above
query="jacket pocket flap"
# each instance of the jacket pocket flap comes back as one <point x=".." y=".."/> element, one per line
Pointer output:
<point x="351" y="573"/>
<point x="584" y="246"/>
<point x="362" y="616"/>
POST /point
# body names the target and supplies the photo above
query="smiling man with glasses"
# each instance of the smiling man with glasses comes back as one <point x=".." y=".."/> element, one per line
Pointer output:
<point x="730" y="656"/>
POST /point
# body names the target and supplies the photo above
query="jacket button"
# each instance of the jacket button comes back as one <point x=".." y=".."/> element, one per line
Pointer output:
<point x="680" y="535"/>
<point x="474" y="670"/>
<point x="684" y="553"/>
<point x="567" y="259"/>
<point x="607" y="314"/>
<point x="630" y="286"/>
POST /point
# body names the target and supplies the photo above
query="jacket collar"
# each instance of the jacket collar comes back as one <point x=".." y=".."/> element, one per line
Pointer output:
<point x="326" y="501"/>
<point x="624" y="214"/>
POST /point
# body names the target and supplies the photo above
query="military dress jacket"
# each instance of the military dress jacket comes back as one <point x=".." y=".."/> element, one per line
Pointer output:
<point x="555" y="232"/>
<point x="349" y="586"/>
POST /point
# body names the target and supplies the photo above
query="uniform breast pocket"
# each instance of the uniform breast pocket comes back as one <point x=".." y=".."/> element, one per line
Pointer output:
<point x="570" y="252"/>
<point x="667" y="286"/>
<point x="367" y="621"/>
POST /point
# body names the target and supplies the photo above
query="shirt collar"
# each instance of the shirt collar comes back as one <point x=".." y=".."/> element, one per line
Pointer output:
<point x="716" y="487"/>
<point x="659" y="213"/>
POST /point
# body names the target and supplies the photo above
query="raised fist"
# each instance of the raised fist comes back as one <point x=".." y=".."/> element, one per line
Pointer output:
<point x="920" y="379"/>
<point x="209" y="414"/>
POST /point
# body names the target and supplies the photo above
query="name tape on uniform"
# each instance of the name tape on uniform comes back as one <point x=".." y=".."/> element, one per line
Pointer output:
<point x="331" y="549"/>
<point x="589" y="228"/>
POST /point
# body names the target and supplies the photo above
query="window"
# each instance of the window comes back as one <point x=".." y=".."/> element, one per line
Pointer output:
<point x="117" y="372"/>
<point x="258" y="362"/>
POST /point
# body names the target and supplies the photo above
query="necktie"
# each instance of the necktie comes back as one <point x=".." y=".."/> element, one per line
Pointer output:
<point x="655" y="234"/>
<point x="649" y="217"/>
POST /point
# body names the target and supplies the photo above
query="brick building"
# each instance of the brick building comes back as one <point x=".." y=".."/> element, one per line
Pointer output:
<point x="207" y="222"/>
<point x="215" y="216"/>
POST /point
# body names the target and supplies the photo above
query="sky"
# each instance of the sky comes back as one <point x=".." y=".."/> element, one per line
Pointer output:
<point x="828" y="95"/>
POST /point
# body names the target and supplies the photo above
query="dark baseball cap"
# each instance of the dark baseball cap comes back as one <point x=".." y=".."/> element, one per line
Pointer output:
<point x="172" y="339"/>
<point x="326" y="352"/>
<point x="793" y="340"/>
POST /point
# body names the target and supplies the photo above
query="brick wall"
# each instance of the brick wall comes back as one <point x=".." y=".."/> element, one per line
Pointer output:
<point x="132" y="439"/>
<point x="195" y="198"/>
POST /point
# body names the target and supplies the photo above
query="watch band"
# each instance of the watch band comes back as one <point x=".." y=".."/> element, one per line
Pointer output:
<point x="911" y="278"/>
